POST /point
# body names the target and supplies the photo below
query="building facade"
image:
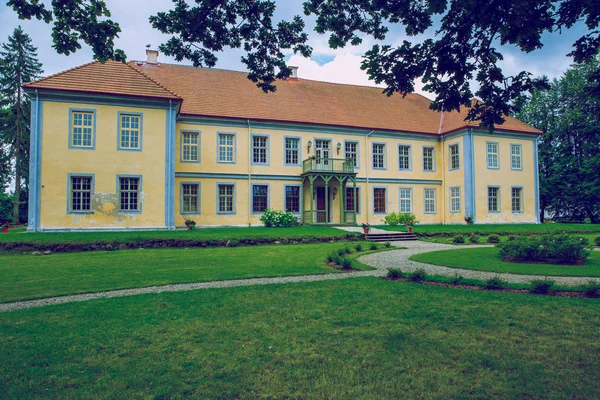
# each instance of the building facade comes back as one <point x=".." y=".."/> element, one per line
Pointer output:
<point x="145" y="145"/>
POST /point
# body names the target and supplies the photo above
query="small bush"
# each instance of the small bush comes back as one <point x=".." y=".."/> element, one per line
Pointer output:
<point x="511" y="238"/>
<point x="358" y="247"/>
<point x="330" y="257"/>
<point x="456" y="279"/>
<point x="473" y="238"/>
<point x="597" y="240"/>
<point x="591" y="289"/>
<point x="493" y="239"/>
<point x="347" y="250"/>
<point x="541" y="286"/>
<point x="551" y="249"/>
<point x="277" y="218"/>
<point x="395" y="273"/>
<point x="458" y="239"/>
<point x="347" y="263"/>
<point x="418" y="275"/>
<point x="388" y="244"/>
<point x="334" y="258"/>
<point x="494" y="283"/>
<point x="341" y="252"/>
<point x="392" y="219"/>
<point x="373" y="246"/>
<point x="398" y="218"/>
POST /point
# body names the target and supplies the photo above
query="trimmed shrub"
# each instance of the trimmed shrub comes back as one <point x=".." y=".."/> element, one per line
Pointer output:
<point x="511" y="238"/>
<point x="341" y="252"/>
<point x="473" y="238"/>
<point x="395" y="273"/>
<point x="358" y="247"/>
<point x="597" y="240"/>
<point x="398" y="218"/>
<point x="493" y="238"/>
<point x="418" y="275"/>
<point x="277" y="218"/>
<point x="392" y="219"/>
<point x="347" y="250"/>
<point x="494" y="283"/>
<point x="541" y="286"/>
<point x="551" y="249"/>
<point x="347" y="263"/>
<point x="456" y="279"/>
<point x="458" y="239"/>
<point x="373" y="246"/>
<point x="388" y="244"/>
<point x="591" y="289"/>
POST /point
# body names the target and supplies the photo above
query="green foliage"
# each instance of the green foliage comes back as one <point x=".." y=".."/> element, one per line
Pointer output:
<point x="458" y="239"/>
<point x="373" y="246"/>
<point x="511" y="238"/>
<point x="417" y="276"/>
<point x="395" y="273"/>
<point x="597" y="240"/>
<point x="473" y="238"/>
<point x="387" y="244"/>
<point x="456" y="279"/>
<point x="277" y="218"/>
<point x="541" y="286"/>
<point x="398" y="218"/>
<point x="493" y="238"/>
<point x="494" y="283"/>
<point x="591" y="289"/>
<point x="552" y="249"/>
<point x="358" y="247"/>
<point x="347" y="263"/>
<point x="347" y="250"/>
<point x="341" y="252"/>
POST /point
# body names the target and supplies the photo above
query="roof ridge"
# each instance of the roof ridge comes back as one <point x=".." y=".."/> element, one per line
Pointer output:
<point x="152" y="80"/>
<point x="60" y="73"/>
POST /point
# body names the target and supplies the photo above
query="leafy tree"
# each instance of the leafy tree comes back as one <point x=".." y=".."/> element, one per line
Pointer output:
<point x="19" y="66"/>
<point x="466" y="45"/>
<point x="569" y="151"/>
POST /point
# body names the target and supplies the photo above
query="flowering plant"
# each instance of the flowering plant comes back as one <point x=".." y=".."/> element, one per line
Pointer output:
<point x="365" y="225"/>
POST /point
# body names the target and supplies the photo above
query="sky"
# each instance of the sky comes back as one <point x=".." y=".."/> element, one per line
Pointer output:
<point x="326" y="64"/>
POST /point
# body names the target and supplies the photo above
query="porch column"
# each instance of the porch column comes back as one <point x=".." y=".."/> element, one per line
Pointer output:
<point x="355" y="202"/>
<point x="312" y="200"/>
<point x="326" y="179"/>
<point x="342" y="196"/>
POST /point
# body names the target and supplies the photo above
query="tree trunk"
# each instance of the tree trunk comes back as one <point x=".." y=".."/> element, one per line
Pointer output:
<point x="18" y="172"/>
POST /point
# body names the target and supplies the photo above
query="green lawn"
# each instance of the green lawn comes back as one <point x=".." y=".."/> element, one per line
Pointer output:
<point x="356" y="338"/>
<point x="19" y="235"/>
<point x="28" y="276"/>
<point x="488" y="259"/>
<point x="507" y="229"/>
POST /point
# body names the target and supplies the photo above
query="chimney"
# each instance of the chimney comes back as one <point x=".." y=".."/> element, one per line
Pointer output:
<point x="294" y="74"/>
<point x="151" y="56"/>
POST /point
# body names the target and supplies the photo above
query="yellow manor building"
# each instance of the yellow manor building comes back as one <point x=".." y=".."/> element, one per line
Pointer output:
<point x="146" y="145"/>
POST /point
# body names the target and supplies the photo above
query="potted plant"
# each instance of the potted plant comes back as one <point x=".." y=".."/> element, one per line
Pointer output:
<point x="190" y="224"/>
<point x="366" y="228"/>
<point x="409" y="220"/>
<point x="469" y="220"/>
<point x="5" y="227"/>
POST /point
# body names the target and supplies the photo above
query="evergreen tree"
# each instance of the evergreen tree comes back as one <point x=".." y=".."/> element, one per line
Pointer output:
<point x="19" y="65"/>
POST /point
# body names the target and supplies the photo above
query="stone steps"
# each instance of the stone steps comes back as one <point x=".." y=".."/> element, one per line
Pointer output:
<point x="391" y="237"/>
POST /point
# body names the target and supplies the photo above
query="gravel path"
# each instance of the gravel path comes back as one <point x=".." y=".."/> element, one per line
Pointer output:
<point x="381" y="261"/>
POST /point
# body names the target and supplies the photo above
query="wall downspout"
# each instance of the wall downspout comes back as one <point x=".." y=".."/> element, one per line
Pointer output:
<point x="249" y="174"/>
<point x="367" y="172"/>
<point x="443" y="194"/>
<point x="34" y="187"/>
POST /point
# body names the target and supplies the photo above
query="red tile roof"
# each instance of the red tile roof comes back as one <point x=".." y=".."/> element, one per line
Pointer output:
<point x="109" y="78"/>
<point x="229" y="94"/>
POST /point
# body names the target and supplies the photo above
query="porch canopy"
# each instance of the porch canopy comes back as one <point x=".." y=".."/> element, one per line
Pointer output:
<point x="327" y="175"/>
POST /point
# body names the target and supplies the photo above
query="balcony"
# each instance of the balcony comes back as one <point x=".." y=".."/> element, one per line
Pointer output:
<point x="327" y="166"/>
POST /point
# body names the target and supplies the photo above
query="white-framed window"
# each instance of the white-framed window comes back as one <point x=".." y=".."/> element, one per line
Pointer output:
<point x="350" y="201"/>
<point x="292" y="151"/>
<point x="493" y="161"/>
<point x="455" y="199"/>
<point x="260" y="198"/>
<point x="428" y="159"/>
<point x="130" y="131"/>
<point x="190" y="146"/>
<point x="516" y="157"/>
<point x="429" y="200"/>
<point x="260" y="149"/>
<point x="190" y="198"/>
<point x="351" y="152"/>
<point x="82" y="129"/>
<point x="292" y="198"/>
<point x="454" y="157"/>
<point x="379" y="200"/>
<point x="129" y="193"/>
<point x="226" y="197"/>
<point x="378" y="155"/>
<point x="403" y="157"/>
<point x="405" y="200"/>
<point x="226" y="147"/>
<point x="493" y="199"/>
<point x="322" y="149"/>
<point x="517" y="200"/>
<point x="81" y="193"/>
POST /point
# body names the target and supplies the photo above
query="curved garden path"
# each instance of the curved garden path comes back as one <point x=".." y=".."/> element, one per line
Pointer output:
<point x="380" y="261"/>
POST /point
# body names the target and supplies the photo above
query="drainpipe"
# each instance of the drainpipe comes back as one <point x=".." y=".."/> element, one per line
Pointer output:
<point x="249" y="174"/>
<point x="444" y="186"/>
<point x="367" y="209"/>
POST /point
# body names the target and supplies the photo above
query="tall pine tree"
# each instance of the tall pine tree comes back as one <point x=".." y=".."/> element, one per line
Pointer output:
<point x="18" y="66"/>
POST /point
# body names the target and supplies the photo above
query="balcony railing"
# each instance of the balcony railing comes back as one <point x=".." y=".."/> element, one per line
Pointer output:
<point x="335" y="165"/>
